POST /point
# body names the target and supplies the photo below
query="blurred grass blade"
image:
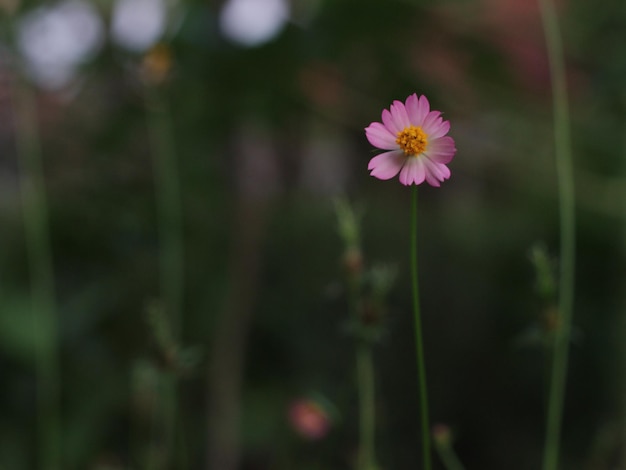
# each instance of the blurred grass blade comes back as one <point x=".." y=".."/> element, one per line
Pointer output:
<point x="565" y="174"/>
<point x="41" y="277"/>
<point x="167" y="189"/>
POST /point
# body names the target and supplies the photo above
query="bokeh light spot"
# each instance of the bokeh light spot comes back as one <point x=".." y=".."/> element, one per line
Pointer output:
<point x="55" y="40"/>
<point x="253" y="22"/>
<point x="137" y="25"/>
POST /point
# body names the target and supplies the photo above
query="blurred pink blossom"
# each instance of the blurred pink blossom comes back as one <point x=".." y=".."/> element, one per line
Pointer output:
<point x="309" y="418"/>
<point x="416" y="143"/>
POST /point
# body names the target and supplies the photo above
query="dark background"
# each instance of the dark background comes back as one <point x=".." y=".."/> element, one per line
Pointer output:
<point x="265" y="137"/>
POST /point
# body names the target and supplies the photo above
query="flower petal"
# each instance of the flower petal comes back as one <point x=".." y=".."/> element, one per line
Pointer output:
<point x="439" y="129"/>
<point x="389" y="122"/>
<point x="435" y="172"/>
<point x="399" y="115"/>
<point x="430" y="179"/>
<point x="412" y="104"/>
<point x="441" y="150"/>
<point x="413" y="171"/>
<point x="433" y="181"/>
<point x="381" y="137"/>
<point x="431" y="121"/>
<point x="387" y="165"/>
<point x="418" y="111"/>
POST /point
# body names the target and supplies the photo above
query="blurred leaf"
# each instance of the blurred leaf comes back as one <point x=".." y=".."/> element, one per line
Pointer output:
<point x="19" y="334"/>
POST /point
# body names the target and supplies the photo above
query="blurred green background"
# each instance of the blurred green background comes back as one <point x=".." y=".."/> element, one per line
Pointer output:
<point x="224" y="132"/>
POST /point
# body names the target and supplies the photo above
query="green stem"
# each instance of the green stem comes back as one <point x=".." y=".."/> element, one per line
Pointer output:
<point x="367" y="426"/>
<point x="449" y="458"/>
<point x="42" y="279"/>
<point x="170" y="232"/>
<point x="169" y="210"/>
<point x="621" y="367"/>
<point x="365" y="384"/>
<point x="565" y="176"/>
<point x="421" y="366"/>
<point x="621" y="372"/>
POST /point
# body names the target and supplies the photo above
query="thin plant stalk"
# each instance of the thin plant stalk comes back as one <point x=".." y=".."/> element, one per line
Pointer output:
<point x="419" y="344"/>
<point x="565" y="174"/>
<point x="167" y="188"/>
<point x="449" y="458"/>
<point x="365" y="384"/>
<point x="41" y="277"/>
<point x="367" y="406"/>
<point x="622" y="364"/>
<point x="366" y="388"/>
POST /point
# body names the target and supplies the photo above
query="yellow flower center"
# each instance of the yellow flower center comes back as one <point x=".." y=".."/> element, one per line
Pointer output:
<point x="413" y="140"/>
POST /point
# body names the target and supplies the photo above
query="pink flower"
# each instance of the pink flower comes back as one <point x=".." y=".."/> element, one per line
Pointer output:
<point x="309" y="418"/>
<point x="416" y="140"/>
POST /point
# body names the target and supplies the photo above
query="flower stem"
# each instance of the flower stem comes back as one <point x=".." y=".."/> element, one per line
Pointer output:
<point x="622" y="364"/>
<point x="365" y="373"/>
<point x="421" y="367"/>
<point x="171" y="240"/>
<point x="42" y="278"/>
<point x="565" y="176"/>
